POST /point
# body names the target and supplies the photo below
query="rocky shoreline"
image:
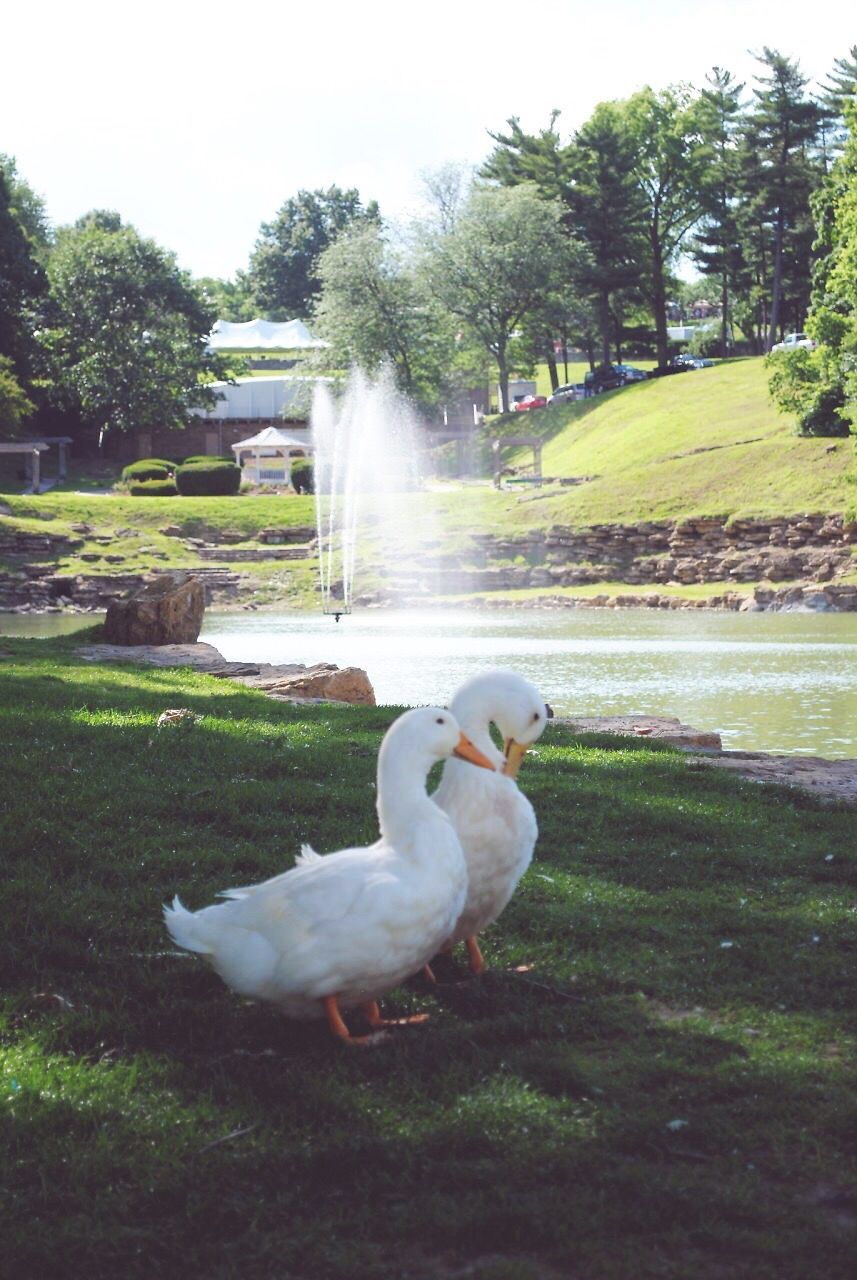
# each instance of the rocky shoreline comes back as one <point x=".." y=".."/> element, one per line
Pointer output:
<point x="806" y="556"/>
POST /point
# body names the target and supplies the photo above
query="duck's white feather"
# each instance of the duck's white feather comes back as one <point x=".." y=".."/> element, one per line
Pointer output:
<point x="352" y="924"/>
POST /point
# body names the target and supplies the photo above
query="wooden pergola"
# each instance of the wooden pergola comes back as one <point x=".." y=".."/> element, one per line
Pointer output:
<point x="521" y="442"/>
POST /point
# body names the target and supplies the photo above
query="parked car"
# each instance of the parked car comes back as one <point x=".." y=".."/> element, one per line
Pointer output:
<point x="630" y="373"/>
<point x="687" y="361"/>
<point x="566" y="393"/>
<point x="529" y="402"/>
<point x="605" y="378"/>
<point x="792" y="341"/>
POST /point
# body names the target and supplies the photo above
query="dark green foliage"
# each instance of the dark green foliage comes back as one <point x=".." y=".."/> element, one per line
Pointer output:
<point x="155" y="488"/>
<point x="148" y="469"/>
<point x="644" y="1103"/>
<point x="302" y="475"/>
<point x="208" y="479"/>
<point x="22" y="283"/>
<point x="283" y="274"/>
<point x="126" y="338"/>
<point x="206" y="458"/>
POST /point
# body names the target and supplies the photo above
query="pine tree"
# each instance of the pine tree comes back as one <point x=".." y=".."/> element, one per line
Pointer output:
<point x="717" y="248"/>
<point x="781" y="133"/>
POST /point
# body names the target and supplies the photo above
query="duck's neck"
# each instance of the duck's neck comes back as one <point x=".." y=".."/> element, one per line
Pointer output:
<point x="475" y="721"/>
<point x="402" y="798"/>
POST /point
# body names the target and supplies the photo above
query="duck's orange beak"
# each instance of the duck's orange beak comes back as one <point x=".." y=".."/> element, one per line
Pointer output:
<point x="514" y="752"/>
<point x="465" y="750"/>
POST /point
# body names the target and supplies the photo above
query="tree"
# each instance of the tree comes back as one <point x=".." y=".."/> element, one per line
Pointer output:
<point x="666" y="128"/>
<point x="839" y="89"/>
<point x="374" y="310"/>
<point x="717" y="249"/>
<point x="29" y="210"/>
<point x="127" y="329"/>
<point x="593" y="178"/>
<point x="15" y="406"/>
<point x="283" y="266"/>
<point x="820" y="386"/>
<point x="503" y="255"/>
<point x="22" y="283"/>
<point x="781" y="131"/>
<point x="231" y="299"/>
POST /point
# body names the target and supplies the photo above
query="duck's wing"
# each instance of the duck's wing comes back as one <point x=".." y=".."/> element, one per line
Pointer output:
<point x="307" y="856"/>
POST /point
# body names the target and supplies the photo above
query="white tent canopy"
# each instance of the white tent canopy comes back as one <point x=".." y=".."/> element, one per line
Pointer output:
<point x="262" y="335"/>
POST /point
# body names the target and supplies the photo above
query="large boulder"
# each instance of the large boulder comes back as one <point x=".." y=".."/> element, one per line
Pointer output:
<point x="167" y="610"/>
<point x="339" y="684"/>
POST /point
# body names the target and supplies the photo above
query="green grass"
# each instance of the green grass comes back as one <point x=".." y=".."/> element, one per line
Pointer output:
<point x="708" y="442"/>
<point x="645" y="1102"/>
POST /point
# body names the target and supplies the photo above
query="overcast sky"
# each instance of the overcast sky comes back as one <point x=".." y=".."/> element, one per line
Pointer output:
<point x="196" y="121"/>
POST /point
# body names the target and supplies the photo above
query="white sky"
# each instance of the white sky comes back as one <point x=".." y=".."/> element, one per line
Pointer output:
<point x="196" y="121"/>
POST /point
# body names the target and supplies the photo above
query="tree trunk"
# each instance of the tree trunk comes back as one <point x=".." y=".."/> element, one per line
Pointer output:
<point x="605" y="323"/>
<point x="724" y="314"/>
<point x="659" y="302"/>
<point x="503" y="368"/>
<point x="777" y="282"/>
<point x="551" y="362"/>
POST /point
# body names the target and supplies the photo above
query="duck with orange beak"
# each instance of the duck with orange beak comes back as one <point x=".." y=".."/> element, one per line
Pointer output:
<point x="495" y="823"/>
<point x="338" y="932"/>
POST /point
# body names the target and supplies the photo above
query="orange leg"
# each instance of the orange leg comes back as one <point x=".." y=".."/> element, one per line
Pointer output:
<point x="477" y="963"/>
<point x="428" y="973"/>
<point x="374" y="1018"/>
<point x="338" y="1027"/>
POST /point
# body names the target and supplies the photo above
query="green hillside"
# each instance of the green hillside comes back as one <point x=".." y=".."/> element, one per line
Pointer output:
<point x="703" y="443"/>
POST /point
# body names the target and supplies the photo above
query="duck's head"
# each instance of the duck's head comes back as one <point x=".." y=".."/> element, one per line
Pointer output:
<point x="508" y="700"/>
<point x="429" y="734"/>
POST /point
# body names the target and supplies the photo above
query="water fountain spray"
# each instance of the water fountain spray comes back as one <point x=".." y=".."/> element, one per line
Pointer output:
<point x="366" y="457"/>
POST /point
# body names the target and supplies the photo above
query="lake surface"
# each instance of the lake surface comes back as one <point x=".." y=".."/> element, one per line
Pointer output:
<point x="765" y="681"/>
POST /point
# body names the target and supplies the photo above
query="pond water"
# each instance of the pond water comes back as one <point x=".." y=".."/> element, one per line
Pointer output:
<point x="765" y="681"/>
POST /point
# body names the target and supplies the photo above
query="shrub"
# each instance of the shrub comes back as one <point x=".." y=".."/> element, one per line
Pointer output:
<point x="302" y="476"/>
<point x="208" y="479"/>
<point x="153" y="488"/>
<point x="206" y="457"/>
<point x="148" y="469"/>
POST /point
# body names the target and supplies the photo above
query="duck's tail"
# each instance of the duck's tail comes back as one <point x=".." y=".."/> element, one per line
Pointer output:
<point x="184" y="928"/>
<point x="307" y="856"/>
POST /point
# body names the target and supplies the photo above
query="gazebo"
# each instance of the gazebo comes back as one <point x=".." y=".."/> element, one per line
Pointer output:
<point x="266" y="457"/>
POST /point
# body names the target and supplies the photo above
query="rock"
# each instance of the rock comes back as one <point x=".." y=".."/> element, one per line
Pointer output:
<point x="167" y="610"/>
<point x="346" y="684"/>
<point x="200" y="656"/>
<point x="660" y="728"/>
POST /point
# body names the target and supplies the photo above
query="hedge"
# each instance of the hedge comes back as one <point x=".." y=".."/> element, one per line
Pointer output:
<point x="153" y="489"/>
<point x="209" y="479"/>
<point x="148" y="469"/>
<point x="207" y="457"/>
<point x="302" y="475"/>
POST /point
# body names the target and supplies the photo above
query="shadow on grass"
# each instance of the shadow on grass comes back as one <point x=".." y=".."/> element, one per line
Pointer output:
<point x="644" y="1102"/>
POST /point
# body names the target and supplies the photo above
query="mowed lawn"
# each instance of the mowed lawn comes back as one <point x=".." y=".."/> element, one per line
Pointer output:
<point x="669" y="1091"/>
<point x="708" y="442"/>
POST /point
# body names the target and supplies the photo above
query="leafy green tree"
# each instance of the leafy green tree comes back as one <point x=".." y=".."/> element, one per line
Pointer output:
<point x="15" y="405"/>
<point x="593" y="177"/>
<point x="29" y="209"/>
<point x="717" y="246"/>
<point x="783" y="168"/>
<point x="820" y="386"/>
<point x="667" y="130"/>
<point x="231" y="299"/>
<point x="504" y="253"/>
<point x="283" y="267"/>
<point x="836" y="92"/>
<point x="127" y="329"/>
<point x="22" y="283"/>
<point x="375" y="310"/>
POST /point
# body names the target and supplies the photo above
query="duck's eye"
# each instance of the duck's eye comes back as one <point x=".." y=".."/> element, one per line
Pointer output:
<point x="440" y="720"/>
<point x="537" y="715"/>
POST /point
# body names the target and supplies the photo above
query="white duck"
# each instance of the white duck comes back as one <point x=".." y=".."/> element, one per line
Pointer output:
<point x="341" y="931"/>
<point x="495" y="822"/>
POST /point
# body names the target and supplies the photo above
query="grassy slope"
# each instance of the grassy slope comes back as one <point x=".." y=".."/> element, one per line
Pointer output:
<point x="647" y="1102"/>
<point x="638" y="443"/>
